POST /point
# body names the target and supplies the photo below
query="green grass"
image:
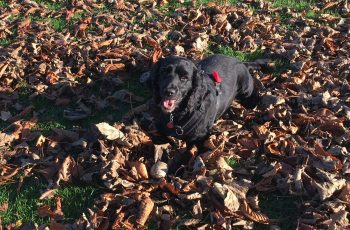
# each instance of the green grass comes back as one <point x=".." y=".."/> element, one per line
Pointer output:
<point x="242" y="56"/>
<point x="220" y="2"/>
<point x="280" y="65"/>
<point x="10" y="38"/>
<point x="3" y="3"/>
<point x="298" y="5"/>
<point x="75" y="200"/>
<point x="78" y="15"/>
<point x="50" y="5"/>
<point x="23" y="205"/>
<point x="152" y="225"/>
<point x="50" y="116"/>
<point x="14" y="17"/>
<point x="311" y="14"/>
<point x="172" y="5"/>
<point x="232" y="162"/>
<point x="5" y="42"/>
<point x="283" y="208"/>
<point x="315" y="15"/>
<point x="104" y="9"/>
<point x="61" y="24"/>
<point x="58" y="24"/>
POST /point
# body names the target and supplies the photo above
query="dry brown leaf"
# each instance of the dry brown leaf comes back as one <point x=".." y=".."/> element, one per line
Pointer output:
<point x="329" y="5"/>
<point x="265" y="185"/>
<point x="113" y="67"/>
<point x="229" y="198"/>
<point x="254" y="216"/>
<point x="140" y="169"/>
<point x="319" y="151"/>
<point x="25" y="23"/>
<point x="69" y="170"/>
<point x="330" y="44"/>
<point x="22" y="114"/>
<point x="3" y="67"/>
<point x="56" y="226"/>
<point x="4" y="206"/>
<point x="274" y="171"/>
<point x="188" y="222"/>
<point x="152" y="42"/>
<point x="105" y="43"/>
<point x="159" y="170"/>
<point x="48" y="194"/>
<point x="7" y="172"/>
<point x="156" y="54"/>
<point x="110" y="132"/>
<point x="46" y="210"/>
<point x="262" y="130"/>
<point x="40" y="141"/>
<point x="222" y="164"/>
<point x="145" y="209"/>
<point x="273" y="149"/>
<point x="165" y="185"/>
<point x="345" y="193"/>
<point x="52" y="78"/>
<point x="249" y="143"/>
<point x="327" y="189"/>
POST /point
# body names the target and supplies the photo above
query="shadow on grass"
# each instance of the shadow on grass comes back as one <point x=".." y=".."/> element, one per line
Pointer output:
<point x="52" y="116"/>
<point x="283" y="208"/>
<point x="23" y="204"/>
<point x="242" y="56"/>
<point x="280" y="64"/>
<point x="77" y="197"/>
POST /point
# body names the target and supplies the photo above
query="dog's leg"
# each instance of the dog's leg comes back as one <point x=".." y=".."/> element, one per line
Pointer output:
<point x="250" y="89"/>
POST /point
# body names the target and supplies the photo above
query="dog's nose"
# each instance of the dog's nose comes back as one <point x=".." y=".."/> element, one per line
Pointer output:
<point x="170" y="92"/>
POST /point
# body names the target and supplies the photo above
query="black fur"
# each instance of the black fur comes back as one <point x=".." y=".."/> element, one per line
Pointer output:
<point x="197" y="98"/>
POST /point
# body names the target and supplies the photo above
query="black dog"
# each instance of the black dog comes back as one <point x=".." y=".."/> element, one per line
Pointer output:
<point x="192" y="97"/>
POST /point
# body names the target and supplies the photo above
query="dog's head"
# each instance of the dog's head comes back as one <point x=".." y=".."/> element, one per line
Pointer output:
<point x="173" y="80"/>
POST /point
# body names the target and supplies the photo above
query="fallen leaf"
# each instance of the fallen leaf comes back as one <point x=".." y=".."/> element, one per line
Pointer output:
<point x="4" y="206"/>
<point x="145" y="209"/>
<point x="345" y="193"/>
<point x="140" y="169"/>
<point x="159" y="170"/>
<point x="254" y="216"/>
<point x="109" y="131"/>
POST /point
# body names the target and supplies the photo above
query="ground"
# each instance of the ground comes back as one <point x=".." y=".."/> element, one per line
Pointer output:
<point x="66" y="66"/>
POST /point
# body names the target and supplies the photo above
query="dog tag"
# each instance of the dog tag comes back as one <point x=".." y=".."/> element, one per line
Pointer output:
<point x="170" y="125"/>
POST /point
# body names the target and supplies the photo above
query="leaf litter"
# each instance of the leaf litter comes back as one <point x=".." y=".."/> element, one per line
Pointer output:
<point x="295" y="143"/>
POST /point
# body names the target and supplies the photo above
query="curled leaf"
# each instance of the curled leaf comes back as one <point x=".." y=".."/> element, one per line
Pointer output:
<point x="159" y="170"/>
<point x="145" y="209"/>
<point x="252" y="215"/>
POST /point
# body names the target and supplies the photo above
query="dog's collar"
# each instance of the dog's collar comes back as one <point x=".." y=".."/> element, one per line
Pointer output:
<point x="188" y="126"/>
<point x="193" y="118"/>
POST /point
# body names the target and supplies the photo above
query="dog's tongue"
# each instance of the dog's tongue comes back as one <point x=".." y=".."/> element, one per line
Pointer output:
<point x="168" y="104"/>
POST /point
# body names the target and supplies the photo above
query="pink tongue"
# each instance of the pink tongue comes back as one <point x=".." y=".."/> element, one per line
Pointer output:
<point x="168" y="104"/>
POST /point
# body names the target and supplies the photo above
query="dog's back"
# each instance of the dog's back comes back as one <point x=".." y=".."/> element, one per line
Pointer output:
<point x="236" y="79"/>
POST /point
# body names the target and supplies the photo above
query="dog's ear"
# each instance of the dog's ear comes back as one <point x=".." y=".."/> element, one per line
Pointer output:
<point x="154" y="78"/>
<point x="198" y="88"/>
